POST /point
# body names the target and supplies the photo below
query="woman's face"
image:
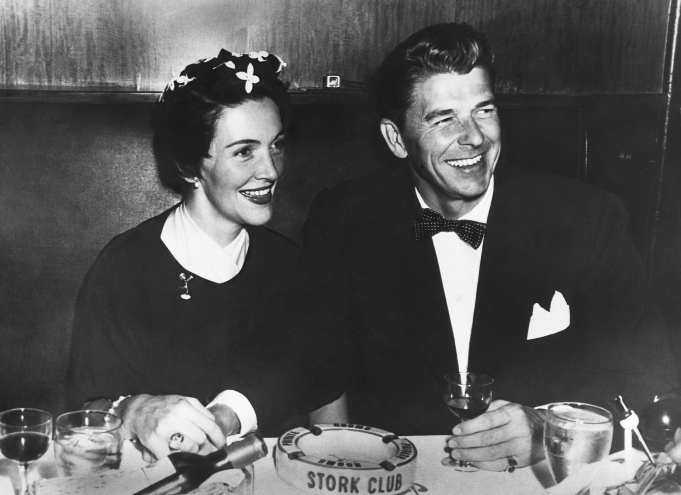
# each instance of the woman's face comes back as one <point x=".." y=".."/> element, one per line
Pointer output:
<point x="246" y="160"/>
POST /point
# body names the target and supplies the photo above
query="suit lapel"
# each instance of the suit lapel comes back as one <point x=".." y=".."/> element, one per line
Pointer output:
<point x="509" y="283"/>
<point x="421" y="294"/>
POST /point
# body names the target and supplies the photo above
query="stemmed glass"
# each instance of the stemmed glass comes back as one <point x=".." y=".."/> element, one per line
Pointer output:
<point x="24" y="437"/>
<point x="467" y="395"/>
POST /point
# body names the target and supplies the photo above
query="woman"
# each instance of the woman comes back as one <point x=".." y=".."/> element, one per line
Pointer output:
<point x="189" y="304"/>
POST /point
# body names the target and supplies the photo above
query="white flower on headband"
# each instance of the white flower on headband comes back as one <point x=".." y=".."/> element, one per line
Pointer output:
<point x="230" y="64"/>
<point x="282" y="64"/>
<point x="182" y="80"/>
<point x="179" y="81"/>
<point x="248" y="77"/>
<point x="259" y="55"/>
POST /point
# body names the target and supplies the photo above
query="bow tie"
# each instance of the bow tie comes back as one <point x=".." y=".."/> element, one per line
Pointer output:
<point x="430" y="222"/>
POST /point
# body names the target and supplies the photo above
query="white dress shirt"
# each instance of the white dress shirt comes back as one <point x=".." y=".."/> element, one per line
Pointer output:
<point x="198" y="253"/>
<point x="459" y="269"/>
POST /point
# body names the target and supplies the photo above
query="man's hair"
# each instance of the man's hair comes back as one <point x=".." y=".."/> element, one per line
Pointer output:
<point x="436" y="49"/>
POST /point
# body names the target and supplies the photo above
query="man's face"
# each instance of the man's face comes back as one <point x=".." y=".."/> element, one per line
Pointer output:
<point x="452" y="139"/>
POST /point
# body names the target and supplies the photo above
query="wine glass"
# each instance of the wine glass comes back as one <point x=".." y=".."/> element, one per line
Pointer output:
<point x="576" y="434"/>
<point x="24" y="437"/>
<point x="467" y="395"/>
<point x="660" y="420"/>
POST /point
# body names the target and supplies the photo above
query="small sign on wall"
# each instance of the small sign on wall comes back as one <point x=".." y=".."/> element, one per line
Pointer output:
<point x="332" y="81"/>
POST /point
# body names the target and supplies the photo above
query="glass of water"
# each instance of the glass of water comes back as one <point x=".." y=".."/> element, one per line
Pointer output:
<point x="576" y="434"/>
<point x="87" y="442"/>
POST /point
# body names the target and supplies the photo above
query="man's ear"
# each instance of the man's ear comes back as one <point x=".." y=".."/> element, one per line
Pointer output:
<point x="392" y="136"/>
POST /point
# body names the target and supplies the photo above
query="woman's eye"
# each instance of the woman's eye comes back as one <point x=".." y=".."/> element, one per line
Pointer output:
<point x="278" y="147"/>
<point x="446" y="120"/>
<point x="244" y="152"/>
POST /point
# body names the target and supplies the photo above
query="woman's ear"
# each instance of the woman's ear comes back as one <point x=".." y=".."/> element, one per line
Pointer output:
<point x="392" y="136"/>
<point x="194" y="181"/>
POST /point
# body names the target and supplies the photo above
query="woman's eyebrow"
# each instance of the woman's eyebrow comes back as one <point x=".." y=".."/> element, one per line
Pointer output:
<point x="243" y="141"/>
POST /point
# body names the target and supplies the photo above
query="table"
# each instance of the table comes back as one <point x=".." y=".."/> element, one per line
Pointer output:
<point x="431" y="476"/>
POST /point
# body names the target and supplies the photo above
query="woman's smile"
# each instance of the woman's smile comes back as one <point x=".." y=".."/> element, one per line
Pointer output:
<point x="260" y="196"/>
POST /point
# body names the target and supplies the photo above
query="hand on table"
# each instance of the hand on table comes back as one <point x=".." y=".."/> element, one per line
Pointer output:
<point x="153" y="419"/>
<point x="505" y="430"/>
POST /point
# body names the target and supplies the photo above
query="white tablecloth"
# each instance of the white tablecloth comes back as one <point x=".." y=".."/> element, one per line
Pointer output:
<point x="431" y="475"/>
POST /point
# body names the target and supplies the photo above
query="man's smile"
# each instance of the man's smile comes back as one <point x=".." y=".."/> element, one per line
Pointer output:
<point x="464" y="162"/>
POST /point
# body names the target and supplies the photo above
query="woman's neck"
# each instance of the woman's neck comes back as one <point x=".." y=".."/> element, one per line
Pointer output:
<point x="222" y="230"/>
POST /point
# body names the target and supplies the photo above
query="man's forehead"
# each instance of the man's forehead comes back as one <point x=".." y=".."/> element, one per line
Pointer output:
<point x="451" y="90"/>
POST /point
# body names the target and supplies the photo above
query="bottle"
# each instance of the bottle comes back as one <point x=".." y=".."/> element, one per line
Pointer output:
<point x="185" y="471"/>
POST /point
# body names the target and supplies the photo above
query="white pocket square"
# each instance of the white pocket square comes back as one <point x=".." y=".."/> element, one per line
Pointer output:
<point x="544" y="323"/>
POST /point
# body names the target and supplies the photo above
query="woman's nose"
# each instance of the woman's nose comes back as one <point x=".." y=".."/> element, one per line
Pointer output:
<point x="270" y="167"/>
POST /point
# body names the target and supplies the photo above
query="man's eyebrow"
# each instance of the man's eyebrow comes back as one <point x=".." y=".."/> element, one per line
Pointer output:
<point x="490" y="101"/>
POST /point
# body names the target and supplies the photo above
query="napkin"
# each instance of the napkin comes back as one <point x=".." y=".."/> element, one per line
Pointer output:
<point x="544" y="323"/>
<point x="617" y="476"/>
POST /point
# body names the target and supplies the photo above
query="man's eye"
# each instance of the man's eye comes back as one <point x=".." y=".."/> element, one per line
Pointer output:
<point x="486" y="112"/>
<point x="445" y="120"/>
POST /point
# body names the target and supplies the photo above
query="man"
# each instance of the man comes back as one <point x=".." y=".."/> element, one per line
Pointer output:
<point x="541" y="288"/>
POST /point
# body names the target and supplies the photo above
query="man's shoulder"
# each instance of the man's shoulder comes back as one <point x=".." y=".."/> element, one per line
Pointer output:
<point x="366" y="191"/>
<point x="556" y="195"/>
<point x="271" y="241"/>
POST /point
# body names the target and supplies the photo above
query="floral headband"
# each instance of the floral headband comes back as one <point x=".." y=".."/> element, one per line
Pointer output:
<point x="252" y="68"/>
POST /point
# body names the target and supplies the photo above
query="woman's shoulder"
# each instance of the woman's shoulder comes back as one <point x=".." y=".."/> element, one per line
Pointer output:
<point x="134" y="245"/>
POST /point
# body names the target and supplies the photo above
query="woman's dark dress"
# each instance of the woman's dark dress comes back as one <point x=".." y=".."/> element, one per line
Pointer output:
<point x="133" y="332"/>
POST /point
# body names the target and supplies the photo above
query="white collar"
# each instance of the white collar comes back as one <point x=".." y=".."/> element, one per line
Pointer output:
<point x="480" y="212"/>
<point x="197" y="252"/>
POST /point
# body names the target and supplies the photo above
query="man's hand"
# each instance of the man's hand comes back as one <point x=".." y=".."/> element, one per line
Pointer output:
<point x="505" y="430"/>
<point x="153" y="419"/>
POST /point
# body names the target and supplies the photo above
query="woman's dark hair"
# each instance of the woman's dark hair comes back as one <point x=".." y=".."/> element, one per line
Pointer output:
<point x="186" y="114"/>
<point x="436" y="49"/>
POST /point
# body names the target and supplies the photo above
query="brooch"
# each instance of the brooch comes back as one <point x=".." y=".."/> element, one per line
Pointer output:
<point x="185" y="286"/>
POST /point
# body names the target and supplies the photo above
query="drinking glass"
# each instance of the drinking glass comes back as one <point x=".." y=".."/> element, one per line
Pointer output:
<point x="575" y="434"/>
<point x="87" y="442"/>
<point x="467" y="395"/>
<point x="24" y="437"/>
<point x="660" y="420"/>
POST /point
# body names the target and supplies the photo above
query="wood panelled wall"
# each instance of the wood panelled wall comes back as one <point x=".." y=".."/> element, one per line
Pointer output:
<point x="542" y="46"/>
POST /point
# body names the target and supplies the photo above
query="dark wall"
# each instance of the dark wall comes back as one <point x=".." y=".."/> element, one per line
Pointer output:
<point x="70" y="178"/>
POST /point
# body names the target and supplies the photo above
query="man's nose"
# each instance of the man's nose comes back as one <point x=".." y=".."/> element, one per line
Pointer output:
<point x="471" y="135"/>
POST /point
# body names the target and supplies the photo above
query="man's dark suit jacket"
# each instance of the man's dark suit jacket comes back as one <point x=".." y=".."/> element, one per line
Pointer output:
<point x="372" y="282"/>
